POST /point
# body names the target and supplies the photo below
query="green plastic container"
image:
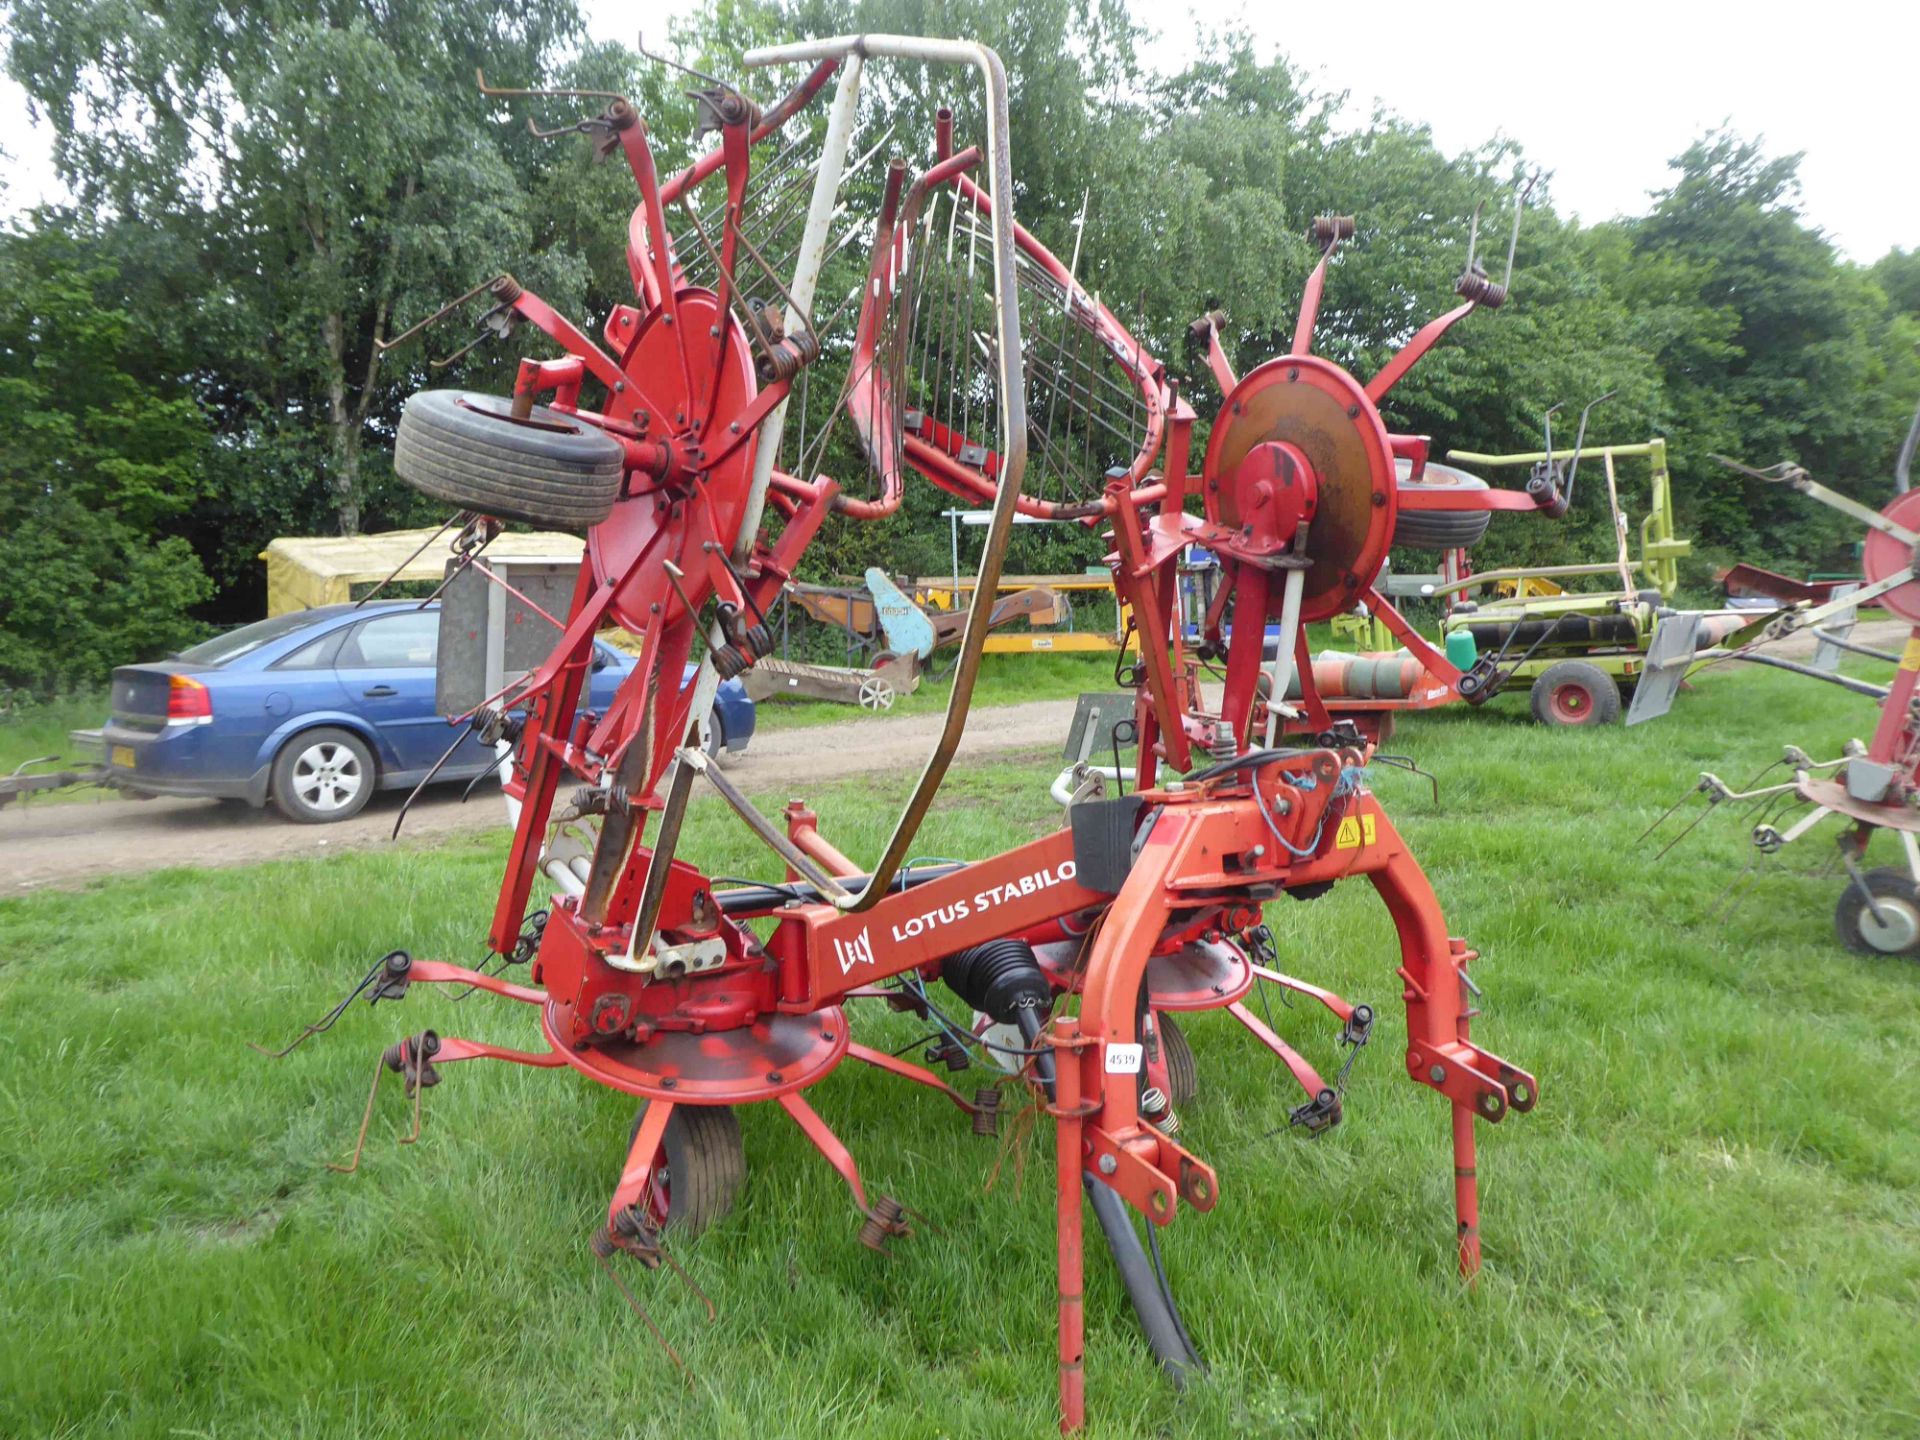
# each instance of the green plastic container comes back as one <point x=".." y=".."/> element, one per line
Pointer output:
<point x="1461" y="651"/>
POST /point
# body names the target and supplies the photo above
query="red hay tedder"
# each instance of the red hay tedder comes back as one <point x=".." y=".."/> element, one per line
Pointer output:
<point x="1872" y="786"/>
<point x="647" y="973"/>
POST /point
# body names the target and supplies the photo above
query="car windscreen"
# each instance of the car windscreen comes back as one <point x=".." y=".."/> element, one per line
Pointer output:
<point x="222" y="649"/>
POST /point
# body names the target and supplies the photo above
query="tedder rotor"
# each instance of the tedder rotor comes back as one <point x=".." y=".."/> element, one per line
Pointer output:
<point x="977" y="360"/>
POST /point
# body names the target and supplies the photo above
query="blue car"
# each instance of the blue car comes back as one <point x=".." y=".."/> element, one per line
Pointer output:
<point x="317" y="709"/>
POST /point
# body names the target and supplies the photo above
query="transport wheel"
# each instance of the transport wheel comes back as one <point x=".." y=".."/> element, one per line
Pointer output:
<point x="1896" y="931"/>
<point x="1438" y="529"/>
<point x="322" y="775"/>
<point x="713" y="740"/>
<point x="1183" y="1077"/>
<point x="876" y="693"/>
<point x="467" y="449"/>
<point x="1574" y="693"/>
<point x="699" y="1170"/>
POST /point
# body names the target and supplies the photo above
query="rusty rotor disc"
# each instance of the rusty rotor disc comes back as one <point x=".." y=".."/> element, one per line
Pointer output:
<point x="1318" y="407"/>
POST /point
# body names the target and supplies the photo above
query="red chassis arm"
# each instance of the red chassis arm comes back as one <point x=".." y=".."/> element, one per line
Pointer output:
<point x="1182" y="865"/>
<point x="1211" y="847"/>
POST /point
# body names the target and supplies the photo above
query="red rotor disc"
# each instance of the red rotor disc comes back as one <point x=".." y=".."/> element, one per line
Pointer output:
<point x="665" y="520"/>
<point x="1883" y="555"/>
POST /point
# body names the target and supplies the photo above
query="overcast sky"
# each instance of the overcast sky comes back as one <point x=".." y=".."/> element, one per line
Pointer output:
<point x="1601" y="96"/>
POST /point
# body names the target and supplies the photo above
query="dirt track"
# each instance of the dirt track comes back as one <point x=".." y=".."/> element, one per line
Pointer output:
<point x="61" y="846"/>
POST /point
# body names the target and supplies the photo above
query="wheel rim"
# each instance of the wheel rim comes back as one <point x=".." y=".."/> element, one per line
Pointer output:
<point x="327" y="777"/>
<point x="1571" y="703"/>
<point x="1898" y="929"/>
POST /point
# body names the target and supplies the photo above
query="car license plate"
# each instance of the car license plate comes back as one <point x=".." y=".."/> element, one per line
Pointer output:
<point x="121" y="756"/>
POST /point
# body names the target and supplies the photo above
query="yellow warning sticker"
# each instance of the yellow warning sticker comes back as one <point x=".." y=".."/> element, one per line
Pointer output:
<point x="1354" y="831"/>
<point x="1910" y="657"/>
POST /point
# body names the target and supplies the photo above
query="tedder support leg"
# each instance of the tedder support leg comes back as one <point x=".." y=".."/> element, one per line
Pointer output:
<point x="1065" y="1040"/>
<point x="1440" y="1051"/>
<point x="1466" y="1193"/>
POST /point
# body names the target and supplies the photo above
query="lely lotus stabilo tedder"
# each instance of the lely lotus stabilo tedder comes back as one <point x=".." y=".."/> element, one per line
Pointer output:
<point x="975" y="359"/>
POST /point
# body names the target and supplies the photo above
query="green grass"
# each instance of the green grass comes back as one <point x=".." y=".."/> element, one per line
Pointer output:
<point x="1709" y="1227"/>
<point x="39" y="727"/>
<point x="33" y="729"/>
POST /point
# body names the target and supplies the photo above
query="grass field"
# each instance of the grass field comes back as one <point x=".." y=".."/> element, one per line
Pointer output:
<point x="39" y="727"/>
<point x="1709" y="1227"/>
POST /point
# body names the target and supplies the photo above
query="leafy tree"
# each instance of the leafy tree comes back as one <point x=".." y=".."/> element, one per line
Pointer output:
<point x="333" y="167"/>
<point x="105" y="454"/>
<point x="1898" y="272"/>
<point x="1799" y="367"/>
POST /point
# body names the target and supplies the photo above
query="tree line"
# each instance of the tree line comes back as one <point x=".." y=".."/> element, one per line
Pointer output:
<point x="263" y="191"/>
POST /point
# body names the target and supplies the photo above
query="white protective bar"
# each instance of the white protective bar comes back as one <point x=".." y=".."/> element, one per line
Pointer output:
<point x="1013" y="417"/>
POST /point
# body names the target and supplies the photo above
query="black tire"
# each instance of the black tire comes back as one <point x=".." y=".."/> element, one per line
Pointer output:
<point x="1438" y="529"/>
<point x="1183" y="1076"/>
<point x="705" y="1166"/>
<point x="1576" y="695"/>
<point x="314" y="771"/>
<point x="466" y="449"/>
<point x="1899" y="903"/>
<point x="716" y="746"/>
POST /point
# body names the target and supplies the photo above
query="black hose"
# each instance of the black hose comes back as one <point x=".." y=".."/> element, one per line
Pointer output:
<point x="1159" y="1321"/>
<point x="1845" y="682"/>
<point x="752" y="897"/>
<point x="1842" y="642"/>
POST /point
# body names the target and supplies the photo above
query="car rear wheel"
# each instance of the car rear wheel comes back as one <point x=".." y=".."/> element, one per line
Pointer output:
<point x="323" y="775"/>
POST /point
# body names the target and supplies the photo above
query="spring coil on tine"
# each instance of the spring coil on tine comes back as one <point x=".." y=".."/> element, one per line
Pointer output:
<point x="412" y="1058"/>
<point x="1330" y="228"/>
<point x="1481" y="289"/>
<point x="885" y="1220"/>
<point x="1158" y="1111"/>
<point x="787" y="358"/>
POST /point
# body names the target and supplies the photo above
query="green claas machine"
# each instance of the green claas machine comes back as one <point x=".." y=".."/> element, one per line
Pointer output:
<point x="1582" y="652"/>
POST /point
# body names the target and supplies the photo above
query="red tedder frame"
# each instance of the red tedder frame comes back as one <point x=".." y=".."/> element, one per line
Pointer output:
<point x="654" y="979"/>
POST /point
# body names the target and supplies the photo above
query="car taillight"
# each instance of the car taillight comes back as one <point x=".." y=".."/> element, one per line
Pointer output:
<point x="188" y="699"/>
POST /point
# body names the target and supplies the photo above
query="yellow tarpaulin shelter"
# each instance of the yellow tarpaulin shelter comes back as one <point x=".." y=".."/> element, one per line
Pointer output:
<point x="303" y="572"/>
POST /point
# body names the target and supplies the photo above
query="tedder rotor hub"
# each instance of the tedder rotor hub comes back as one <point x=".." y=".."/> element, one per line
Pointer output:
<point x="775" y="1055"/>
<point x="1311" y="412"/>
<point x="665" y="398"/>
<point x="1274" y="491"/>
